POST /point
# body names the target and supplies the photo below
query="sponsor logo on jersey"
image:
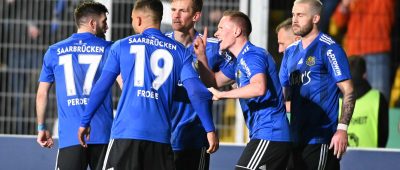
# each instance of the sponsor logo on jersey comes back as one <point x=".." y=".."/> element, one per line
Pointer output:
<point x="334" y="62"/>
<point x="310" y="61"/>
<point x="245" y="67"/>
<point x="297" y="78"/>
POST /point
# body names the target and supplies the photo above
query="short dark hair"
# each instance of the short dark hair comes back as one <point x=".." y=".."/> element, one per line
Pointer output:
<point x="153" y="6"/>
<point x="286" y="25"/>
<point x="86" y="9"/>
<point x="357" y="67"/>
<point x="316" y="5"/>
<point x="197" y="5"/>
<point x="241" y="19"/>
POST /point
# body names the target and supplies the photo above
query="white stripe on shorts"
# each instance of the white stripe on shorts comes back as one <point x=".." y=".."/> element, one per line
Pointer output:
<point x="107" y="153"/>
<point x="323" y="155"/>
<point x="258" y="154"/>
<point x="58" y="152"/>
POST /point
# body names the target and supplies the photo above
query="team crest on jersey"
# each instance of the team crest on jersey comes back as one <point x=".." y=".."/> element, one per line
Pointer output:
<point x="238" y="74"/>
<point x="310" y="61"/>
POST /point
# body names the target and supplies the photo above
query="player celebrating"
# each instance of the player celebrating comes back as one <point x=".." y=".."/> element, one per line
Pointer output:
<point x="151" y="66"/>
<point x="74" y="64"/>
<point x="259" y="92"/>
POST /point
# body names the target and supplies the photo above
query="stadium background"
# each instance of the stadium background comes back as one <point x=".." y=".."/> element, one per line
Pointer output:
<point x="28" y="27"/>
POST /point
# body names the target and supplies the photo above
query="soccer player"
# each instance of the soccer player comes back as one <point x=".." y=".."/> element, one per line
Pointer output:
<point x="151" y="66"/>
<point x="189" y="140"/>
<point x="285" y="35"/>
<point x="285" y="38"/>
<point x="259" y="92"/>
<point x="316" y="70"/>
<point x="74" y="64"/>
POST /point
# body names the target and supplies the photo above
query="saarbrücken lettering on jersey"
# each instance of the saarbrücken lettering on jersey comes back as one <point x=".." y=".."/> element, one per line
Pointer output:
<point x="155" y="42"/>
<point x="80" y="49"/>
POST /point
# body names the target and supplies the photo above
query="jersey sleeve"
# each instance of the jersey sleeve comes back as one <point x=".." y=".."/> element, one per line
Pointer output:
<point x="215" y="60"/>
<point x="337" y="63"/>
<point x="113" y="59"/>
<point x="283" y="72"/>
<point x="228" y="66"/>
<point x="188" y="71"/>
<point x="254" y="64"/>
<point x="47" y="73"/>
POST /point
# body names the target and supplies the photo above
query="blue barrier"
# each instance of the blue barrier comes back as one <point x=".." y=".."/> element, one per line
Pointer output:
<point x="23" y="153"/>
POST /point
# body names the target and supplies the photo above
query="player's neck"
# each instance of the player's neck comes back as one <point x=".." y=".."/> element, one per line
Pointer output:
<point x="238" y="46"/>
<point x="186" y="38"/>
<point x="84" y="29"/>
<point x="309" y="38"/>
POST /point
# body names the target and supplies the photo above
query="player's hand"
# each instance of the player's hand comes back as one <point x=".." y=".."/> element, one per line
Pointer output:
<point x="213" y="141"/>
<point x="200" y="44"/>
<point x="216" y="94"/>
<point x="82" y="132"/>
<point x="44" y="139"/>
<point x="339" y="143"/>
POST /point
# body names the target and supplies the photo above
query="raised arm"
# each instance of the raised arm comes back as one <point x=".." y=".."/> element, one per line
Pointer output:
<point x="44" y="138"/>
<point x="207" y="75"/>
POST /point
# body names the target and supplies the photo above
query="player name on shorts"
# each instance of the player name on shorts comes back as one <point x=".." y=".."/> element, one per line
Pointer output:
<point x="78" y="101"/>
<point x="80" y="49"/>
<point x="154" y="42"/>
<point x="147" y="94"/>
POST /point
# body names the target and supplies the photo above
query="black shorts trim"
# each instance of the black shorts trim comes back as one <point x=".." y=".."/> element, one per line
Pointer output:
<point x="264" y="154"/>
<point x="135" y="154"/>
<point x="313" y="156"/>
<point x="79" y="158"/>
<point x="194" y="159"/>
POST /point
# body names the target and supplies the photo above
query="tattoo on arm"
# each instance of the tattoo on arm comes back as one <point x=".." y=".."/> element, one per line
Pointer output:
<point x="347" y="108"/>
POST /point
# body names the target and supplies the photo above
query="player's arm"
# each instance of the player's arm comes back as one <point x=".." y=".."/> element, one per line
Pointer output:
<point x="339" y="140"/>
<point x="119" y="81"/>
<point x="207" y="75"/>
<point x="97" y="96"/>
<point x="44" y="137"/>
<point x="200" y="99"/>
<point x="257" y="87"/>
<point x="287" y="95"/>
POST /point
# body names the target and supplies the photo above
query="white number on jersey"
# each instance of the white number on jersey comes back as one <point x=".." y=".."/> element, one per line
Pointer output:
<point x="91" y="59"/>
<point x="161" y="73"/>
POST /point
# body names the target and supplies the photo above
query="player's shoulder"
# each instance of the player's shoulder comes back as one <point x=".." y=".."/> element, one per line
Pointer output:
<point x="326" y="40"/>
<point x="292" y="46"/>
<point x="251" y="50"/>
<point x="169" y="34"/>
<point x="328" y="45"/>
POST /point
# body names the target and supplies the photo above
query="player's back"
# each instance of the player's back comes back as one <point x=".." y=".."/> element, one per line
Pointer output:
<point x="75" y="64"/>
<point x="150" y="65"/>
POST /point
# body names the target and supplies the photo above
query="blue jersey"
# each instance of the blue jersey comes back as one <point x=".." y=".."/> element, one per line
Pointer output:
<point x="75" y="64"/>
<point x="265" y="115"/>
<point x="187" y="131"/>
<point x="151" y="66"/>
<point x="312" y="74"/>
